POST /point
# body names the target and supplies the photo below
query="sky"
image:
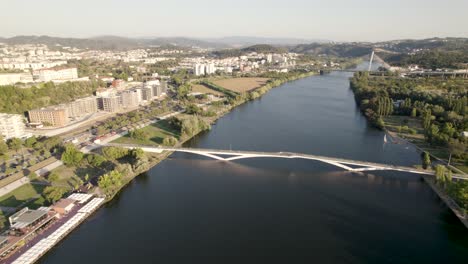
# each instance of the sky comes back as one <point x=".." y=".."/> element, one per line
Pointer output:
<point x="337" y="20"/>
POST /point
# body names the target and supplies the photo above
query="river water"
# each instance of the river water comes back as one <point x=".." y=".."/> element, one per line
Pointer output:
<point x="190" y="209"/>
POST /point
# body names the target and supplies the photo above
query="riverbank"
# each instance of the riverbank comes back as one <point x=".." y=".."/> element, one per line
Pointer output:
<point x="459" y="212"/>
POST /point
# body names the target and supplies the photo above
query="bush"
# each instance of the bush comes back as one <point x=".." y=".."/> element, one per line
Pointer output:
<point x="170" y="141"/>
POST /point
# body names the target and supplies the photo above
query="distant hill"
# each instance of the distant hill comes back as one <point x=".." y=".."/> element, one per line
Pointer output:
<point x="110" y="42"/>
<point x="259" y="48"/>
<point x="264" y="48"/>
<point x="245" y="41"/>
<point x="431" y="53"/>
<point x="99" y="43"/>
<point x="332" y="49"/>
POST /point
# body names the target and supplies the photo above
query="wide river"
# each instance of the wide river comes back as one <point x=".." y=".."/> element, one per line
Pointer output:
<point x="190" y="209"/>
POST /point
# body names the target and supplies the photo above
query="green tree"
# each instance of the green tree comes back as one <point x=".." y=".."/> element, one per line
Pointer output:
<point x="440" y="174"/>
<point x="192" y="109"/>
<point x="113" y="153"/>
<point x="139" y="134"/>
<point x="29" y="142"/>
<point x="170" y="141"/>
<point x="72" y="156"/>
<point x="426" y="160"/>
<point x="53" y="194"/>
<point x="3" y="146"/>
<point x="95" y="160"/>
<point x="53" y="177"/>
<point x="110" y="182"/>
<point x="15" y="144"/>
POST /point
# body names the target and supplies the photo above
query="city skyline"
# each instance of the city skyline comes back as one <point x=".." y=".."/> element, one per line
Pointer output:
<point x="359" y="20"/>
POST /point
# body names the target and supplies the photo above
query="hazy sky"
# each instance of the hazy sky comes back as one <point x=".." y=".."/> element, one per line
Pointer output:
<point x="341" y="20"/>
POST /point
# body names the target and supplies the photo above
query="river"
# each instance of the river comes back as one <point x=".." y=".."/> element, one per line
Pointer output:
<point x="190" y="209"/>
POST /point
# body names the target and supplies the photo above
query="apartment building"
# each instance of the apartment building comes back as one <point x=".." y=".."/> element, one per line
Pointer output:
<point x="147" y="93"/>
<point x="12" y="78"/>
<point x="12" y="126"/>
<point x="83" y="106"/>
<point x="130" y="98"/>
<point x="110" y="103"/>
<point x="46" y="75"/>
<point x="50" y="116"/>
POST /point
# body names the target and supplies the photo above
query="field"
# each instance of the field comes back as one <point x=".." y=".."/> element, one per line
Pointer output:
<point x="200" y="88"/>
<point x="157" y="132"/>
<point x="241" y="85"/>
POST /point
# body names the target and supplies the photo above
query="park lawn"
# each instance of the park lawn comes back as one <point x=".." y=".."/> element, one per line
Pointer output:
<point x="241" y="85"/>
<point x="67" y="177"/>
<point x="20" y="195"/>
<point x="200" y="88"/>
<point x="157" y="132"/>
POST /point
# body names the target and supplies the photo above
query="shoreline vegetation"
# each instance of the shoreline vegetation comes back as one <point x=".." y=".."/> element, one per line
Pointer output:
<point x="428" y="113"/>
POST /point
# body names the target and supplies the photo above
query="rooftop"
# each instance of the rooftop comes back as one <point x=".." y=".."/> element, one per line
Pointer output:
<point x="26" y="218"/>
<point x="63" y="203"/>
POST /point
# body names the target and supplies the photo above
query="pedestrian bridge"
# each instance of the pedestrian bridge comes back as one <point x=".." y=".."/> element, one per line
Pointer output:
<point x="230" y="155"/>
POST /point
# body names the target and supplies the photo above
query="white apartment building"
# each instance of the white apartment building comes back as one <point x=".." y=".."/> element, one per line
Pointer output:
<point x="199" y="69"/>
<point x="210" y="68"/>
<point x="31" y="65"/>
<point x="12" y="78"/>
<point x="46" y="75"/>
<point x="12" y="126"/>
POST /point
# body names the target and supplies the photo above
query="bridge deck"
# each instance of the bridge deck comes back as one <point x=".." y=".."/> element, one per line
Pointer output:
<point x="238" y="154"/>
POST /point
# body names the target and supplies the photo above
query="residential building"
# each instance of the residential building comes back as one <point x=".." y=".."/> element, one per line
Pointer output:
<point x="12" y="126"/>
<point x="111" y="103"/>
<point x="46" y="75"/>
<point x="147" y="93"/>
<point x="210" y="68"/>
<point x="199" y="69"/>
<point x="12" y="78"/>
<point x="51" y="116"/>
<point x="82" y="107"/>
<point x="130" y="98"/>
<point x="31" y="65"/>
<point x="118" y="84"/>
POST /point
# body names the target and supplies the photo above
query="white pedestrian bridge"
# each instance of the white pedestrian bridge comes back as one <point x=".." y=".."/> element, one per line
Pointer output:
<point x="230" y="155"/>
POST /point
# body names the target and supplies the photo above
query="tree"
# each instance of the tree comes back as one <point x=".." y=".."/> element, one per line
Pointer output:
<point x="15" y="144"/>
<point x="170" y="141"/>
<point x="71" y="156"/>
<point x="53" y="177"/>
<point x="456" y="147"/>
<point x="139" y="134"/>
<point x="3" y="146"/>
<point x="110" y="182"/>
<point x="113" y="153"/>
<point x="192" y="109"/>
<point x="414" y="112"/>
<point x="426" y="160"/>
<point x="29" y="142"/>
<point x="53" y="194"/>
<point x="95" y="160"/>
<point x="440" y="174"/>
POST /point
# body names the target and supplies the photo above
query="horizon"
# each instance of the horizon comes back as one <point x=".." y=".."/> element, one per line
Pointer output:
<point x="215" y="38"/>
<point x="337" y="20"/>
